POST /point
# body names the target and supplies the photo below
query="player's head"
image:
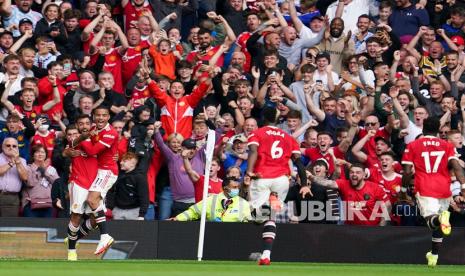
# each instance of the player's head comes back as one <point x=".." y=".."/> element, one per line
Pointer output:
<point x="431" y="126"/>
<point x="357" y="175"/>
<point x="83" y="123"/>
<point x="387" y="160"/>
<point x="101" y="116"/>
<point x="270" y="115"/>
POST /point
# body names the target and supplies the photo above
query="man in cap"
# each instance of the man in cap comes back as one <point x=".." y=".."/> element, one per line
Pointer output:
<point x="12" y="14"/>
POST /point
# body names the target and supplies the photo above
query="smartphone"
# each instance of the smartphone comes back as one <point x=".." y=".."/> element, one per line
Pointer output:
<point x="319" y="82"/>
<point x="67" y="67"/>
<point x="205" y="62"/>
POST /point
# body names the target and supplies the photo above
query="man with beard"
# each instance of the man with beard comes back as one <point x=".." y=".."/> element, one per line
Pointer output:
<point x="257" y="50"/>
<point x="337" y="44"/>
<point x="325" y="150"/>
<point x="433" y="65"/>
<point x="367" y="203"/>
<point x="12" y="14"/>
<point x="420" y="44"/>
<point x="12" y="76"/>
<point x="361" y="34"/>
<point x="132" y="10"/>
<point x="206" y="50"/>
<point x="452" y="61"/>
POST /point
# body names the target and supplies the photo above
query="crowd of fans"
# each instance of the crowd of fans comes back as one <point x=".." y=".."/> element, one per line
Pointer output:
<point x="353" y="81"/>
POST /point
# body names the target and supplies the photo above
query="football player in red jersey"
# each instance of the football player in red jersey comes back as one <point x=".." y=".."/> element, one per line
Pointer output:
<point x="103" y="143"/>
<point x="83" y="173"/>
<point x="431" y="158"/>
<point x="270" y="150"/>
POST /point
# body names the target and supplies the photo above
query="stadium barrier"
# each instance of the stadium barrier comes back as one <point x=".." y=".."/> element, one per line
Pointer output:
<point x="43" y="239"/>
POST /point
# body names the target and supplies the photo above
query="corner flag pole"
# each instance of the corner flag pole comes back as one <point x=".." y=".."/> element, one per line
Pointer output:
<point x="209" y="156"/>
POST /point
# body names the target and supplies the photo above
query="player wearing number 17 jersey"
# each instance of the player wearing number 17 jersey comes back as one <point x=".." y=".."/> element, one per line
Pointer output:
<point x="432" y="157"/>
<point x="270" y="150"/>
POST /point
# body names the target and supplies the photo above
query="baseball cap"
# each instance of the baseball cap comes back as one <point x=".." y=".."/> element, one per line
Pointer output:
<point x="317" y="16"/>
<point x="458" y="40"/>
<point x="24" y="21"/>
<point x="381" y="138"/>
<point x="321" y="162"/>
<point x="240" y="137"/>
<point x="323" y="55"/>
<point x="189" y="144"/>
<point x="6" y="32"/>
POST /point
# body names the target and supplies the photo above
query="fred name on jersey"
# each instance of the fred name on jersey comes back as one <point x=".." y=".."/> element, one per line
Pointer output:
<point x="431" y="143"/>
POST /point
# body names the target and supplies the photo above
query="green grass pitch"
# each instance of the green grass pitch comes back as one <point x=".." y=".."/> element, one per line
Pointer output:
<point x="206" y="268"/>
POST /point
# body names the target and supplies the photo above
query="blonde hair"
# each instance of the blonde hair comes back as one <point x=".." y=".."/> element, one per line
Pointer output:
<point x="175" y="135"/>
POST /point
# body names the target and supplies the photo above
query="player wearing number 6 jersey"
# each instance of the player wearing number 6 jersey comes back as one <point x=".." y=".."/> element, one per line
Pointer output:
<point x="270" y="150"/>
<point x="432" y="157"/>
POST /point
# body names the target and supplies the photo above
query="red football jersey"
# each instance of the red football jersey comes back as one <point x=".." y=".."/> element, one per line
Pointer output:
<point x="361" y="203"/>
<point x="113" y="64"/>
<point x="371" y="145"/>
<point x="108" y="137"/>
<point x="132" y="14"/>
<point x="314" y="154"/>
<point x="30" y="114"/>
<point x="214" y="187"/>
<point x="430" y="157"/>
<point x="242" y="41"/>
<point x="139" y="96"/>
<point x="275" y="148"/>
<point x="131" y="59"/>
<point x="48" y="141"/>
<point x="391" y="186"/>
<point x="83" y="168"/>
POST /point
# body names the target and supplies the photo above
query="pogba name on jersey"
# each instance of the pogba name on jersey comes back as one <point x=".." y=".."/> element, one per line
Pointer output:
<point x="275" y="133"/>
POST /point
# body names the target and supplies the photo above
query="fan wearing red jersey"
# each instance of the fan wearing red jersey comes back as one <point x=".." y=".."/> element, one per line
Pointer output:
<point x="215" y="184"/>
<point x="83" y="173"/>
<point x="113" y="55"/>
<point x="367" y="203"/>
<point x="104" y="144"/>
<point x="270" y="150"/>
<point x="431" y="158"/>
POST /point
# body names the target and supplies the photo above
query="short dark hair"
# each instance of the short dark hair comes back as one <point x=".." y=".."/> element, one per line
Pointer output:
<point x="37" y="147"/>
<point x="203" y="31"/>
<point x="294" y="114"/>
<point x="307" y="68"/>
<point x="83" y="116"/>
<point x="364" y="16"/>
<point x="270" y="114"/>
<point x="431" y="126"/>
<point x="72" y="13"/>
<point x="372" y="39"/>
<point x="358" y="165"/>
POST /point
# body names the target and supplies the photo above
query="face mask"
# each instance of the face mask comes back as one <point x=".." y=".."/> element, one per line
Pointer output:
<point x="233" y="192"/>
<point x="43" y="128"/>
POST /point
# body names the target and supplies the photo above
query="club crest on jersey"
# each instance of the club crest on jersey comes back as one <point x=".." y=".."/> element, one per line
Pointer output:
<point x="275" y="133"/>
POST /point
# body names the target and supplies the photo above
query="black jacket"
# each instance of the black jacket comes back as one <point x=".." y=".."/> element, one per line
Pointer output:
<point x="130" y="191"/>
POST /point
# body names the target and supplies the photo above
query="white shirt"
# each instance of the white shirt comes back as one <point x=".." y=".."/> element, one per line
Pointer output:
<point x="17" y="15"/>
<point x="351" y="12"/>
<point x="413" y="132"/>
<point x="15" y="87"/>
<point x="324" y="78"/>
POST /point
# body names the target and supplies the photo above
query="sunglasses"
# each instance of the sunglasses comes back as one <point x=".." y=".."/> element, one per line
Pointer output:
<point x="370" y="124"/>
<point x="11" y="146"/>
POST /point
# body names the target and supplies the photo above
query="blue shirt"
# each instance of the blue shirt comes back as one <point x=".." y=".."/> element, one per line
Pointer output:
<point x="23" y="141"/>
<point x="407" y="21"/>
